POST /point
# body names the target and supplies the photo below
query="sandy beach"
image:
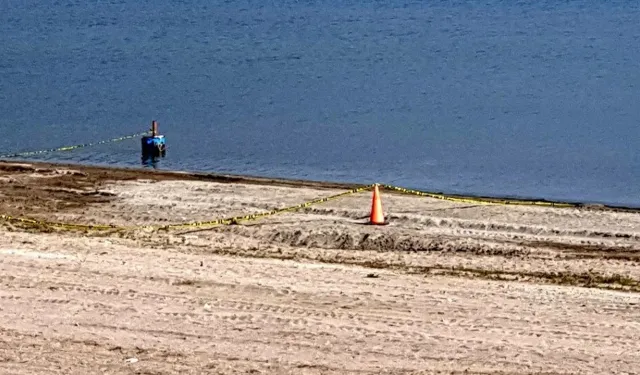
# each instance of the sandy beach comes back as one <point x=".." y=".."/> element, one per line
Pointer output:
<point x="445" y="288"/>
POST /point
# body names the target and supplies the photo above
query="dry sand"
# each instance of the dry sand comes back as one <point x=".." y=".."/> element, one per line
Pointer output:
<point x="445" y="288"/>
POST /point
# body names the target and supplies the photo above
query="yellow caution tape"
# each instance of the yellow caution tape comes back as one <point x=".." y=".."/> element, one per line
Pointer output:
<point x="69" y="148"/>
<point x="196" y="224"/>
<point x="479" y="200"/>
<point x="237" y="219"/>
<point x="34" y="222"/>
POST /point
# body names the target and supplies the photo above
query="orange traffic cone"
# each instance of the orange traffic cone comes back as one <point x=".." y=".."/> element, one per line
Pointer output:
<point x="377" y="217"/>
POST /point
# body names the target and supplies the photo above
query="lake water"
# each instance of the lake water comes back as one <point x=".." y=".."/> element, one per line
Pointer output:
<point x="505" y="98"/>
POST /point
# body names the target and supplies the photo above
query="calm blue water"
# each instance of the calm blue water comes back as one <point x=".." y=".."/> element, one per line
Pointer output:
<point x="517" y="98"/>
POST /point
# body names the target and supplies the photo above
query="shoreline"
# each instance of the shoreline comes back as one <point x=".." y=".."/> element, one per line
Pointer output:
<point x="141" y="172"/>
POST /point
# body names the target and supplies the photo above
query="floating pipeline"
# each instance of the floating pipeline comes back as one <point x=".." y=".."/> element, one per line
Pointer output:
<point x="74" y="147"/>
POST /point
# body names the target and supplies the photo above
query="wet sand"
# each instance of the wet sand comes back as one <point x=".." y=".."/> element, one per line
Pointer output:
<point x="446" y="287"/>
